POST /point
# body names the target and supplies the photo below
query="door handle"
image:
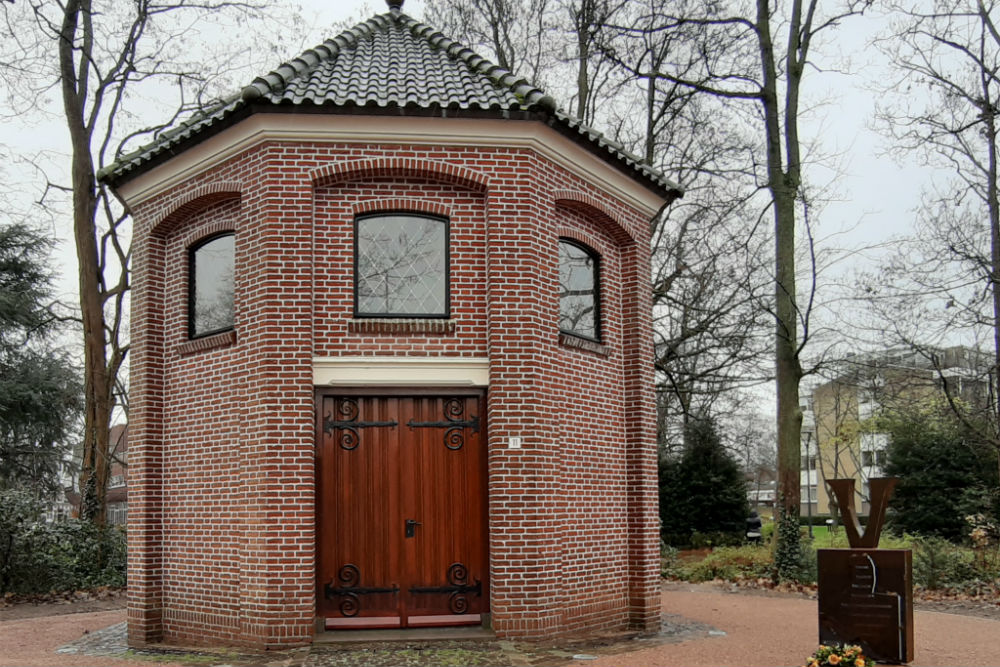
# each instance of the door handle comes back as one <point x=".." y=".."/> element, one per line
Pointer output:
<point x="411" y="526"/>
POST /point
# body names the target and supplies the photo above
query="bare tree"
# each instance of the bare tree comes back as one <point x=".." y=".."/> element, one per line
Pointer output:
<point x="943" y="285"/>
<point x="100" y="56"/>
<point x="756" y="54"/>
<point x="515" y="33"/>
<point x="710" y="266"/>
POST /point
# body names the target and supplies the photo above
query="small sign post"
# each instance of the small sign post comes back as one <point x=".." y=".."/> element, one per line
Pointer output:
<point x="866" y="593"/>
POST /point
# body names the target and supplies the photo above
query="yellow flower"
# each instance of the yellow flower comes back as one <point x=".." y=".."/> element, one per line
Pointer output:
<point x="859" y="662"/>
<point x="814" y="663"/>
<point x="834" y="659"/>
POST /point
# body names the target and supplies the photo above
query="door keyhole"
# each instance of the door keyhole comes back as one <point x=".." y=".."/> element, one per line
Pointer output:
<point x="411" y="527"/>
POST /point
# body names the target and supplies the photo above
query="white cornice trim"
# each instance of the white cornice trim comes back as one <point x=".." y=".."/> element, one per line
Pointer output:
<point x="438" y="132"/>
<point x="401" y="371"/>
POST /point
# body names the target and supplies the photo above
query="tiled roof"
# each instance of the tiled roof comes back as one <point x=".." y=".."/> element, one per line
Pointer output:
<point x="390" y="62"/>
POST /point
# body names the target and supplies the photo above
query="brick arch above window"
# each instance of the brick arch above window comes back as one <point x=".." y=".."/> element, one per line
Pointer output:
<point x="201" y="232"/>
<point x="404" y="204"/>
<point x="573" y="234"/>
<point x="188" y="203"/>
<point x="593" y="208"/>
<point x="441" y="172"/>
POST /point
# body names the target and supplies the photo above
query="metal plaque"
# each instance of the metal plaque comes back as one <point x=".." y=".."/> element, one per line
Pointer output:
<point x="866" y="598"/>
<point x="866" y="593"/>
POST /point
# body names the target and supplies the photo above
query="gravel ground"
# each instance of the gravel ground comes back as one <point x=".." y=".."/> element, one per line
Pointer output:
<point x="704" y="625"/>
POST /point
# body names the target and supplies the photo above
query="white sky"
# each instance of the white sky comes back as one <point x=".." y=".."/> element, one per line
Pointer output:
<point x="876" y="197"/>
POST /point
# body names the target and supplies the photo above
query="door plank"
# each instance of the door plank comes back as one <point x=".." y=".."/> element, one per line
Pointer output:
<point x="432" y="472"/>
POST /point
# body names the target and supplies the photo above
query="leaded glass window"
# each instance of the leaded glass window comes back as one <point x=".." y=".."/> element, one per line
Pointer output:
<point x="401" y="266"/>
<point x="210" y="303"/>
<point x="579" y="302"/>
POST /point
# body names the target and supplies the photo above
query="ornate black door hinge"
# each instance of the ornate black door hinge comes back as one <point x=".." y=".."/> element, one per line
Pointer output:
<point x="349" y="577"/>
<point x="459" y="586"/>
<point x="454" y="424"/>
<point x="348" y="424"/>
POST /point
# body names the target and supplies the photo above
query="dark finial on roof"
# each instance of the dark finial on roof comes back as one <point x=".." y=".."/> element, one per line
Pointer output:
<point x="395" y="5"/>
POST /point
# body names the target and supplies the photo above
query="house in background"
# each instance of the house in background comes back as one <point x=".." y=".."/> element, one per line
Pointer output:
<point x="839" y="441"/>
<point x="117" y="494"/>
<point x="391" y="356"/>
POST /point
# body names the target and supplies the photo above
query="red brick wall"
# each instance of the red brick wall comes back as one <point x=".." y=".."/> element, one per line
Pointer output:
<point x="222" y="448"/>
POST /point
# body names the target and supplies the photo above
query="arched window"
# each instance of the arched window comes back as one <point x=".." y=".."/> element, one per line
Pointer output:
<point x="210" y="296"/>
<point x="579" y="290"/>
<point x="401" y="266"/>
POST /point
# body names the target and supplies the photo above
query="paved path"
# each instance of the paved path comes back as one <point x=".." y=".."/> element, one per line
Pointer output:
<point x="782" y="630"/>
<point x="758" y="630"/>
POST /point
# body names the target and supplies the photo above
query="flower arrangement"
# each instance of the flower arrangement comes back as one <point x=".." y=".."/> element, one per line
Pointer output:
<point x="839" y="656"/>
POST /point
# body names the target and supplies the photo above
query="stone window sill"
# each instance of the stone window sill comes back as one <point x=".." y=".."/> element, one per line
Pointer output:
<point x="400" y="326"/>
<point x="224" y="339"/>
<point x="577" y="343"/>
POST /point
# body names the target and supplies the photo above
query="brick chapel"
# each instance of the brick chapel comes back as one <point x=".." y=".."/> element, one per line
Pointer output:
<point x="391" y="356"/>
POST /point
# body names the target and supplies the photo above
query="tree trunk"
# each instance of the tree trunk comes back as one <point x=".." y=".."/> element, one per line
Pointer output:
<point x="993" y="206"/>
<point x="583" y="21"/>
<point x="783" y="186"/>
<point x="95" y="466"/>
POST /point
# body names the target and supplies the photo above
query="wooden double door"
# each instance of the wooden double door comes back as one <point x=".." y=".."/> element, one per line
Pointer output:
<point x="401" y="509"/>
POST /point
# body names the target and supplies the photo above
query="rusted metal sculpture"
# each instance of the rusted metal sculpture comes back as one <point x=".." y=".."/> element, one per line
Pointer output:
<point x="866" y="593"/>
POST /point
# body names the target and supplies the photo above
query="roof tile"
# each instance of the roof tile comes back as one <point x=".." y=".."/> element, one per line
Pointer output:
<point x="388" y="61"/>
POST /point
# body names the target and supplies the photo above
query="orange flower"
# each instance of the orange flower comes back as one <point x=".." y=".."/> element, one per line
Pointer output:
<point x="834" y="659"/>
<point x="859" y="662"/>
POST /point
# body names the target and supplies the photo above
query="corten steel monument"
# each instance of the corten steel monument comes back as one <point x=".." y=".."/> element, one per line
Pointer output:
<point x="866" y="593"/>
<point x="391" y="356"/>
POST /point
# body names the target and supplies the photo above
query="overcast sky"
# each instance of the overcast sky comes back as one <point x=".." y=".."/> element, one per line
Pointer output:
<point x="875" y="197"/>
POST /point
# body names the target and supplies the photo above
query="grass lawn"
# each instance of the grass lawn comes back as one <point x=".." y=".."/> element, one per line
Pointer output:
<point x="822" y="537"/>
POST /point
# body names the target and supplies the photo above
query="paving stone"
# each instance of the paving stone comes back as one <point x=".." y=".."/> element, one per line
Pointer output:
<point x="112" y="642"/>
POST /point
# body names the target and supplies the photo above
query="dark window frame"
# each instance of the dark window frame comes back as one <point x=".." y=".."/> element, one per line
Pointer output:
<point x="192" y="287"/>
<point x="447" y="268"/>
<point x="596" y="257"/>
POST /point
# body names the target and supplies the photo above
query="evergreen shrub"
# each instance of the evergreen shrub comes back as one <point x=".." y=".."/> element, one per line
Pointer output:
<point x="702" y="492"/>
<point x="69" y="555"/>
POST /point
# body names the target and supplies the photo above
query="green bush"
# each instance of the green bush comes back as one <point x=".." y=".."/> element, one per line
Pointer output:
<point x="946" y="472"/>
<point x="39" y="557"/>
<point x="730" y="564"/>
<point x="937" y="563"/>
<point x="669" y="560"/>
<point x="702" y="492"/>
<point x="767" y="532"/>
<point x="807" y="569"/>
<point x="713" y="539"/>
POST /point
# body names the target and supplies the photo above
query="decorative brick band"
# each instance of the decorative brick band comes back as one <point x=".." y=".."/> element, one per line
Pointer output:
<point x="224" y="339"/>
<point x="401" y="326"/>
<point x="402" y="204"/>
<point x="187" y="204"/>
<point x="399" y="167"/>
<point x="569" y="340"/>
<point x="593" y="208"/>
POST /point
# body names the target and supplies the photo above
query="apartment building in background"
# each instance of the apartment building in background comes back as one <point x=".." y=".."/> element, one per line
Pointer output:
<point x="840" y="439"/>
